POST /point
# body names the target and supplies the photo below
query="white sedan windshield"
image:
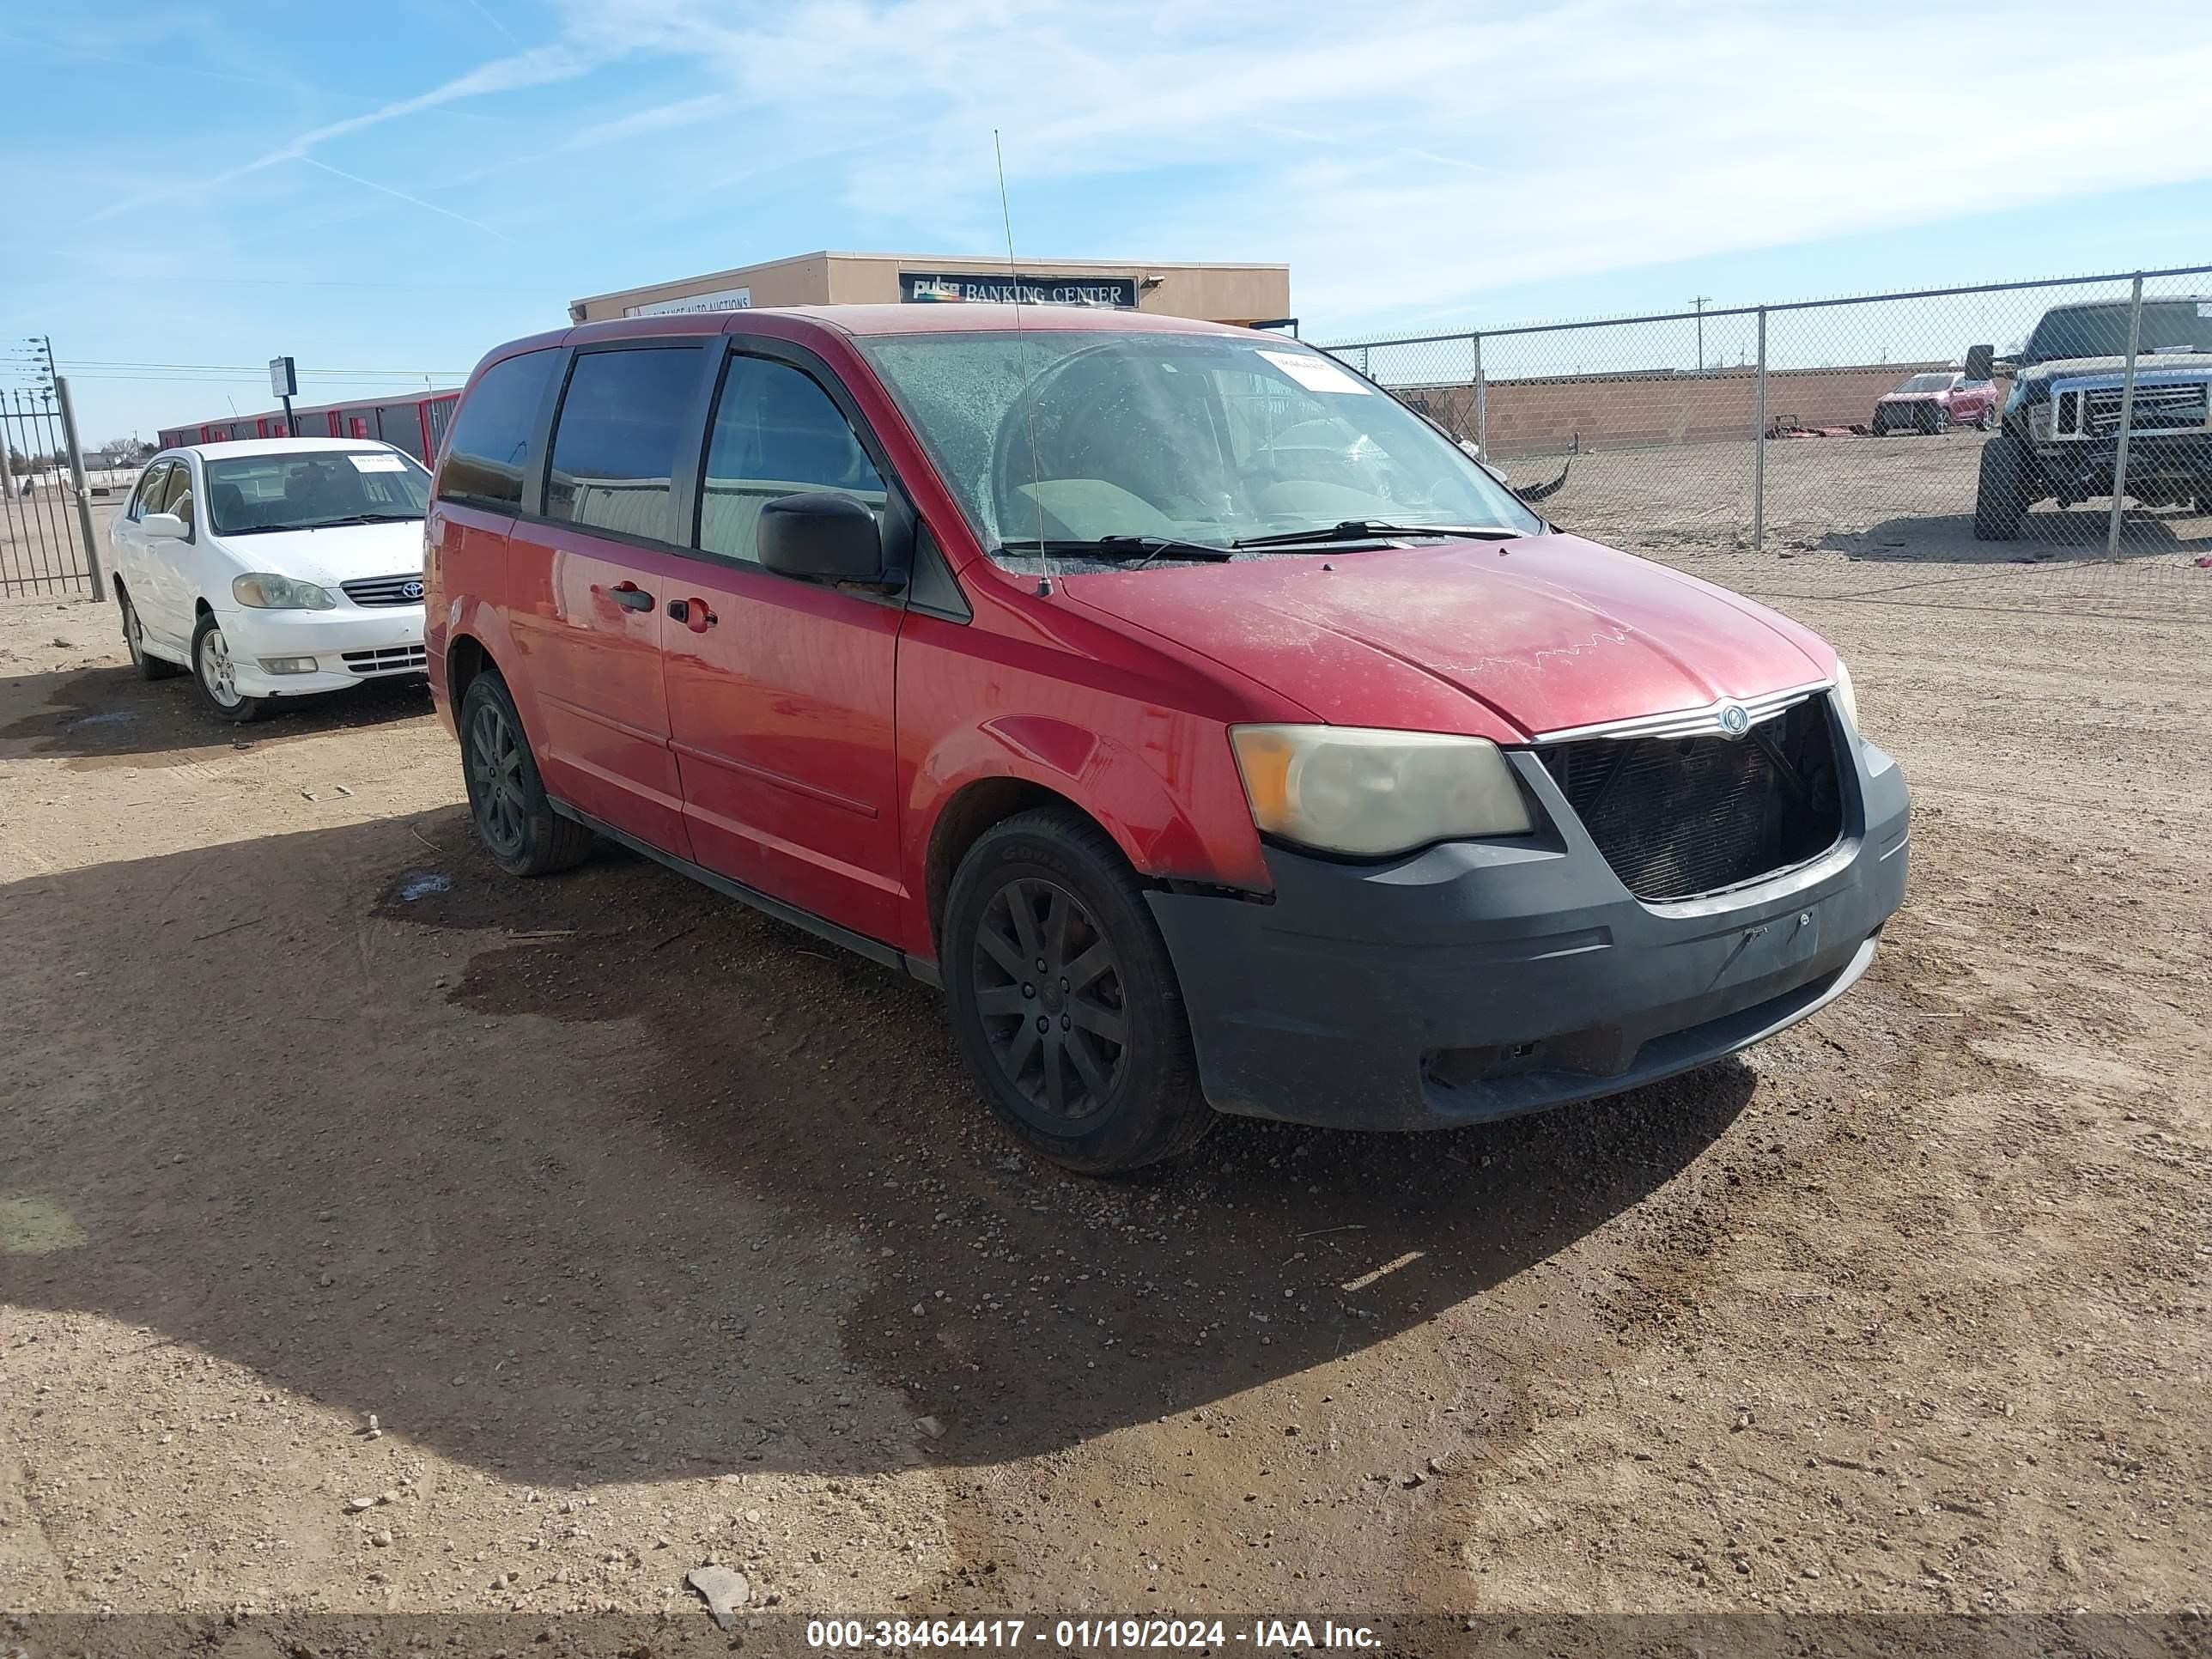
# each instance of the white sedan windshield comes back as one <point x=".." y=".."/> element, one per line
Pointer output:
<point x="1057" y="436"/>
<point x="301" y="490"/>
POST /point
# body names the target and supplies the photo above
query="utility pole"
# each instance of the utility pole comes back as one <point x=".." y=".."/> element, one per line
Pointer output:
<point x="1698" y="302"/>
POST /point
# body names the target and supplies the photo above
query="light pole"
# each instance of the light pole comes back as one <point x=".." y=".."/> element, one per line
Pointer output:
<point x="1698" y="302"/>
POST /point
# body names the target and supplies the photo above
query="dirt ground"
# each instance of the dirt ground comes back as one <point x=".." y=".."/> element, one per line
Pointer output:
<point x="651" y="1232"/>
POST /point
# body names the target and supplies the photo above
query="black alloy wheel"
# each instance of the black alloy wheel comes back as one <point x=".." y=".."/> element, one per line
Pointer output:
<point x="494" y="763"/>
<point x="508" y="803"/>
<point x="1063" y="999"/>
<point x="1047" y="986"/>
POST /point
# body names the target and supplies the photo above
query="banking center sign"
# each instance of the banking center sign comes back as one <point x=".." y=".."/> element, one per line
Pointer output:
<point x="926" y="287"/>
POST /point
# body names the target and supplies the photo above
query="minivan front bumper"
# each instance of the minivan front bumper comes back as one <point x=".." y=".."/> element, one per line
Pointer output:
<point x="1480" y="979"/>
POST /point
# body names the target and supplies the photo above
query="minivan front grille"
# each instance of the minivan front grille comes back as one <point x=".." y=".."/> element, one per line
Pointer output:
<point x="1678" y="817"/>
<point x="386" y="590"/>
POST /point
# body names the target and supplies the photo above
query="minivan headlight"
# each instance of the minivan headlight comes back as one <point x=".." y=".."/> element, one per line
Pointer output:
<point x="263" y="591"/>
<point x="1365" y="793"/>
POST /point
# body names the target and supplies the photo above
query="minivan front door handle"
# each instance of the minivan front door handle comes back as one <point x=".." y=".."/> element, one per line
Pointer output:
<point x="630" y="596"/>
<point x="693" y="614"/>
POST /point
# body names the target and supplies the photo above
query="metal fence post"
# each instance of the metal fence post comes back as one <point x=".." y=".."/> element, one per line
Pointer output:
<point x="1759" y="447"/>
<point x="1481" y="403"/>
<point x="2127" y="421"/>
<point x="83" y="490"/>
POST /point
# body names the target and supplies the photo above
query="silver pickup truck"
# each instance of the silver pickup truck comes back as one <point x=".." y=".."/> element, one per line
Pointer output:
<point x="2061" y="426"/>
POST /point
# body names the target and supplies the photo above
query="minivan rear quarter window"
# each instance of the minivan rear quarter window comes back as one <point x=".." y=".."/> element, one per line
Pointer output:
<point x="490" y="447"/>
<point x="614" y="442"/>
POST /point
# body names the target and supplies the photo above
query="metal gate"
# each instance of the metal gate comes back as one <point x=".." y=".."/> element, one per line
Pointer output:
<point x="46" y="544"/>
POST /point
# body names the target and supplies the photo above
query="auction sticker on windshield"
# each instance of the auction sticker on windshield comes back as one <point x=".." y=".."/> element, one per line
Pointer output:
<point x="1314" y="373"/>
<point x="377" y="462"/>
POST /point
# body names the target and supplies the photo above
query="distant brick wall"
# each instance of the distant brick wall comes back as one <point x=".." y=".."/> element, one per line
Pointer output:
<point x="1621" y="411"/>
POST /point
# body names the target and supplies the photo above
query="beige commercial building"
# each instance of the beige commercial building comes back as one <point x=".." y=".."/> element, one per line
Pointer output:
<point x="1221" y="293"/>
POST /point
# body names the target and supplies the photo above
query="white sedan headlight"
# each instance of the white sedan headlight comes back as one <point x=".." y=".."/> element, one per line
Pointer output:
<point x="1368" y="793"/>
<point x="267" y="592"/>
<point x="1847" y="695"/>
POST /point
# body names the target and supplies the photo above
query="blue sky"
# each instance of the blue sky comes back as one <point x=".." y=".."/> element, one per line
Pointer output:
<point x="397" y="188"/>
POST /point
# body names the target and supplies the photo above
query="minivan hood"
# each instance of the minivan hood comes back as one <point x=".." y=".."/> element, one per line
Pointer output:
<point x="339" y="553"/>
<point x="1502" y="640"/>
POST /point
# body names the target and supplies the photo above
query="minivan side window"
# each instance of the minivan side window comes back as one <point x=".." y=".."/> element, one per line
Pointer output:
<point x="775" y="433"/>
<point x="614" y="442"/>
<point x="490" y="448"/>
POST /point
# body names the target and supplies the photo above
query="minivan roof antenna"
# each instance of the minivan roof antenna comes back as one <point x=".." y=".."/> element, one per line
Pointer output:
<point x="1022" y="356"/>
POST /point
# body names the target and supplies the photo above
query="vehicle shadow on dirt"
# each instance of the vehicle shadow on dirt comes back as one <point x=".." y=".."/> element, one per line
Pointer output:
<point x="108" y="716"/>
<point x="325" y="1146"/>
<point x="2048" y="533"/>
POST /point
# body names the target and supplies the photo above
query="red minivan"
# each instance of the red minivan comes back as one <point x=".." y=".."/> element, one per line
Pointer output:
<point x="1214" y="731"/>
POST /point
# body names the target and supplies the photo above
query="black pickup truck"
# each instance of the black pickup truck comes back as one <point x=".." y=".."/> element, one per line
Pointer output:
<point x="2061" y="427"/>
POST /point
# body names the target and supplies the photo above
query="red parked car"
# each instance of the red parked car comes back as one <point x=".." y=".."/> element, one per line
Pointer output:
<point x="1931" y="403"/>
<point x="1028" y="652"/>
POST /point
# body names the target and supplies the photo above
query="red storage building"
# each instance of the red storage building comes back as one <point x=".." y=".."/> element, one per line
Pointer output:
<point x="416" y="425"/>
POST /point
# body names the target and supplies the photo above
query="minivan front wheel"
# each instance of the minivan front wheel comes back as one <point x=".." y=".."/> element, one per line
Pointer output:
<point x="508" y="802"/>
<point x="1064" y="1000"/>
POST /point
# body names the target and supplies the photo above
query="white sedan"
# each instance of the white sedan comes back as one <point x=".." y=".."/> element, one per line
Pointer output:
<point x="276" y="568"/>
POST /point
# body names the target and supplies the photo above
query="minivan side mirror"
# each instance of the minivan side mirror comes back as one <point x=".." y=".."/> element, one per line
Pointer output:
<point x="1979" y="361"/>
<point x="167" y="525"/>
<point x="822" y="536"/>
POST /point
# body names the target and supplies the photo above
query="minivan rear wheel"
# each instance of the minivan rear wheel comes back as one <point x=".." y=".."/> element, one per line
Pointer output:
<point x="1064" y="1000"/>
<point x="508" y="803"/>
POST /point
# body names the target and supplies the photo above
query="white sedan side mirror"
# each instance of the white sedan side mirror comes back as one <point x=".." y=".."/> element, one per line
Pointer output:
<point x="165" y="524"/>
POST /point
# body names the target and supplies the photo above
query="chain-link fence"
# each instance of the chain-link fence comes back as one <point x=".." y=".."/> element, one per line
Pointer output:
<point x="1947" y="447"/>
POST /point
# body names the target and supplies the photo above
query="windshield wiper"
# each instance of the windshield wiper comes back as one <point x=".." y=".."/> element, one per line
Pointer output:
<point x="363" y="518"/>
<point x="1143" y="549"/>
<point x="1368" y="530"/>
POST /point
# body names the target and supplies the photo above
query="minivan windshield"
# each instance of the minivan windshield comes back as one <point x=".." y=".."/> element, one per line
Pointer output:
<point x="1175" y="444"/>
<point x="315" y="488"/>
<point x="2102" y="331"/>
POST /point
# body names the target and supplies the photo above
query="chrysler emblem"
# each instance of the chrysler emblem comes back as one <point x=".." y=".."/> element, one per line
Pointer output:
<point x="1734" y="719"/>
<point x="414" y="590"/>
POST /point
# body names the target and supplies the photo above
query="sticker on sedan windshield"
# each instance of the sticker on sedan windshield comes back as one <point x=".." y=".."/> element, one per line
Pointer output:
<point x="377" y="462"/>
<point x="1314" y="373"/>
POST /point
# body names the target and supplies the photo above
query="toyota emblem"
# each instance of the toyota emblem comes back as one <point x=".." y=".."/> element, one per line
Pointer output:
<point x="414" y="590"/>
<point x="1736" y="720"/>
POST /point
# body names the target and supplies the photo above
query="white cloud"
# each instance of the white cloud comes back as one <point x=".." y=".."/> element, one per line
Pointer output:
<point x="537" y="67"/>
<point x="1402" y="157"/>
<point x="1399" y="157"/>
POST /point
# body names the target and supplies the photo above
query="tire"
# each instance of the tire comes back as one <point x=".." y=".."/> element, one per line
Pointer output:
<point x="2001" y="493"/>
<point x="211" y="674"/>
<point x="134" y="636"/>
<point x="508" y="803"/>
<point x="1982" y="419"/>
<point x="1935" y="422"/>
<point x="1115" y="1087"/>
